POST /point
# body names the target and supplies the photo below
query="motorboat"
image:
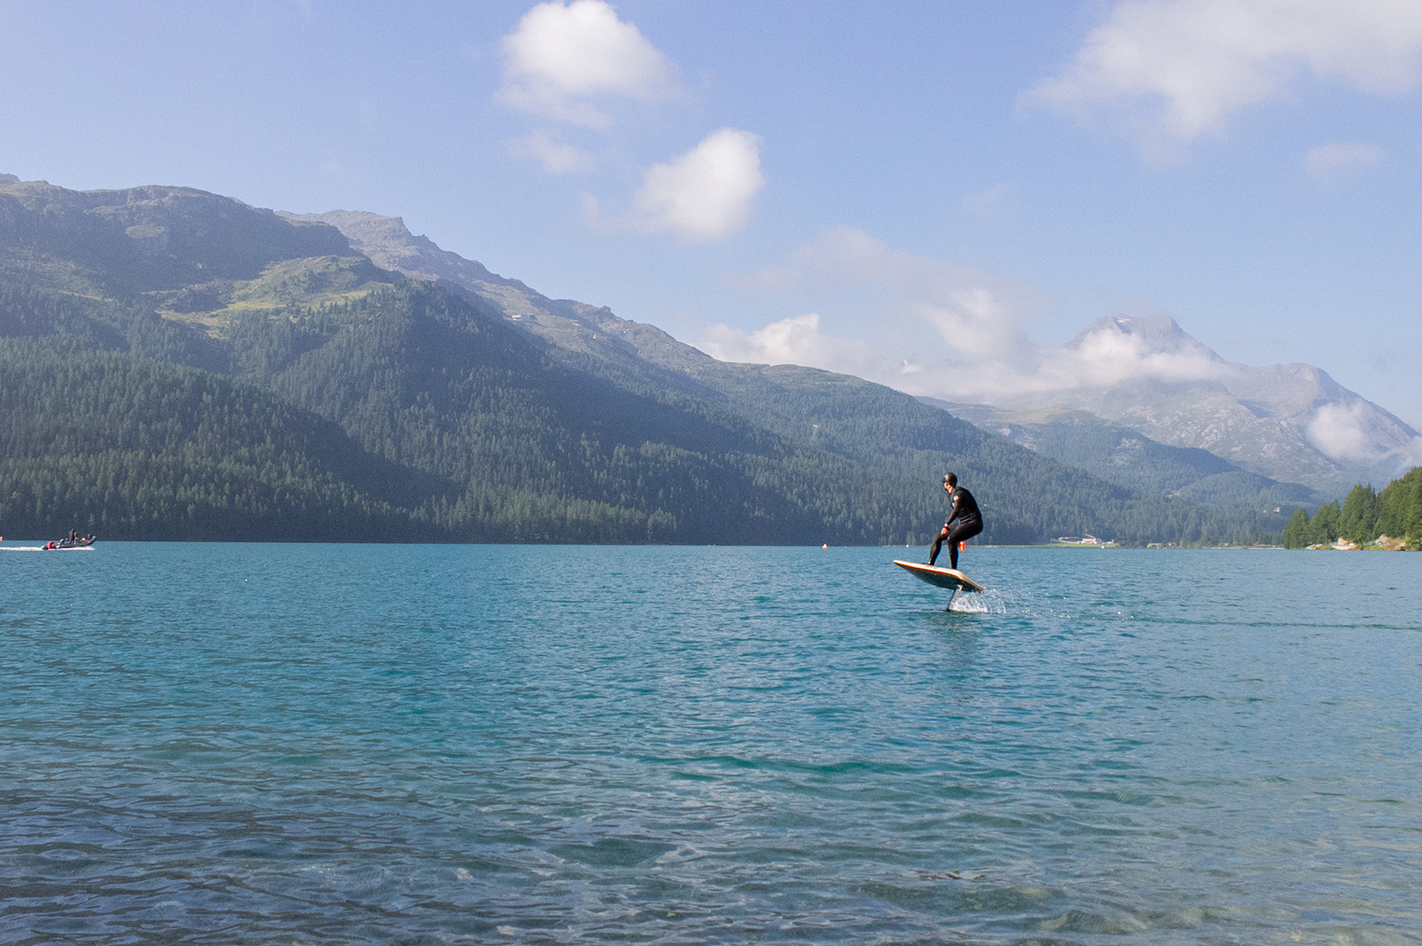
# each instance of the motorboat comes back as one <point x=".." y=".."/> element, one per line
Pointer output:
<point x="72" y="541"/>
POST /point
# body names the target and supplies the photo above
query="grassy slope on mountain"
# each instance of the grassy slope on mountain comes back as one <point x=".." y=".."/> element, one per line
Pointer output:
<point x="180" y="251"/>
<point x="150" y="238"/>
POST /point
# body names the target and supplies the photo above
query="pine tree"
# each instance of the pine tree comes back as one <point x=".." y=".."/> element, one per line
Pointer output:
<point x="1296" y="532"/>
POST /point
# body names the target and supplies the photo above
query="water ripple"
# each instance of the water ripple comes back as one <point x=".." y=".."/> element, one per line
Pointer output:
<point x="265" y="744"/>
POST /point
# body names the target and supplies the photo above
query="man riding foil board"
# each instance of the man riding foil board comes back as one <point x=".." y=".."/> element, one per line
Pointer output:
<point x="962" y="510"/>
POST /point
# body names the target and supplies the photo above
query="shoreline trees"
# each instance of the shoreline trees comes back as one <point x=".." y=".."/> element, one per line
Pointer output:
<point x="1364" y="516"/>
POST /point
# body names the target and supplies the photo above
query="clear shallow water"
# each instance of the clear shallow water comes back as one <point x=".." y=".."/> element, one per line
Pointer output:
<point x="289" y="743"/>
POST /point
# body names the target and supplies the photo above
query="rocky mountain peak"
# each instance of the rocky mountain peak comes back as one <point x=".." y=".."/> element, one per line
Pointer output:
<point x="390" y="245"/>
<point x="1151" y="334"/>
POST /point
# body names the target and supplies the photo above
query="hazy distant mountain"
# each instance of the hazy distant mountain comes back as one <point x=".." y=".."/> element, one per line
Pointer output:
<point x="1292" y="423"/>
<point x="1124" y="456"/>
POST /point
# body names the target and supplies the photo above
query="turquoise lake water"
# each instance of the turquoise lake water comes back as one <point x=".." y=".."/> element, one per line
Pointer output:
<point x="431" y="744"/>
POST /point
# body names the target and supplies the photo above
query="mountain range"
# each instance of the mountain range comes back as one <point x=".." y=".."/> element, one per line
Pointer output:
<point x="1289" y="422"/>
<point x="174" y="363"/>
<point x="1265" y="430"/>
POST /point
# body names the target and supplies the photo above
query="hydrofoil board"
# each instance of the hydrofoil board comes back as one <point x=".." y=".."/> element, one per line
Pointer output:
<point x="949" y="578"/>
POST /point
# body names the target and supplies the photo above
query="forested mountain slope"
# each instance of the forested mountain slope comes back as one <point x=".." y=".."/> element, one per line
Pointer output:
<point x="103" y="442"/>
<point x="157" y="388"/>
<point x="1270" y="425"/>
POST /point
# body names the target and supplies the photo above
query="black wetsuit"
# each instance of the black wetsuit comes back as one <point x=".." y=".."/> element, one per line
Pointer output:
<point x="964" y="508"/>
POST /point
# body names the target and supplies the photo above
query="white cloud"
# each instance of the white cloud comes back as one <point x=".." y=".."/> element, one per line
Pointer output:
<point x="1403" y="458"/>
<point x="1337" y="158"/>
<point x="1167" y="71"/>
<point x="555" y="156"/>
<point x="792" y="341"/>
<point x="978" y="314"/>
<point x="986" y="204"/>
<point x="564" y="62"/>
<point x="705" y="194"/>
<point x="766" y="279"/>
<point x="957" y="333"/>
<point x="1121" y="349"/>
<point x="1355" y="432"/>
<point x="948" y="331"/>
<point x="1338" y="431"/>
<point x="563" y="57"/>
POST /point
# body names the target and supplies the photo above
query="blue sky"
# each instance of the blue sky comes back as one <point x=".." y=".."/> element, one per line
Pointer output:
<point x="935" y="195"/>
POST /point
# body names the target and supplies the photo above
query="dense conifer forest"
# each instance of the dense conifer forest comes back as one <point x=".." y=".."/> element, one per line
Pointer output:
<point x="409" y="414"/>
<point x="1365" y="516"/>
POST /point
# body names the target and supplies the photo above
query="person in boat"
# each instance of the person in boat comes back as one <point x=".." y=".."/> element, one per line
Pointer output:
<point x="964" y="521"/>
